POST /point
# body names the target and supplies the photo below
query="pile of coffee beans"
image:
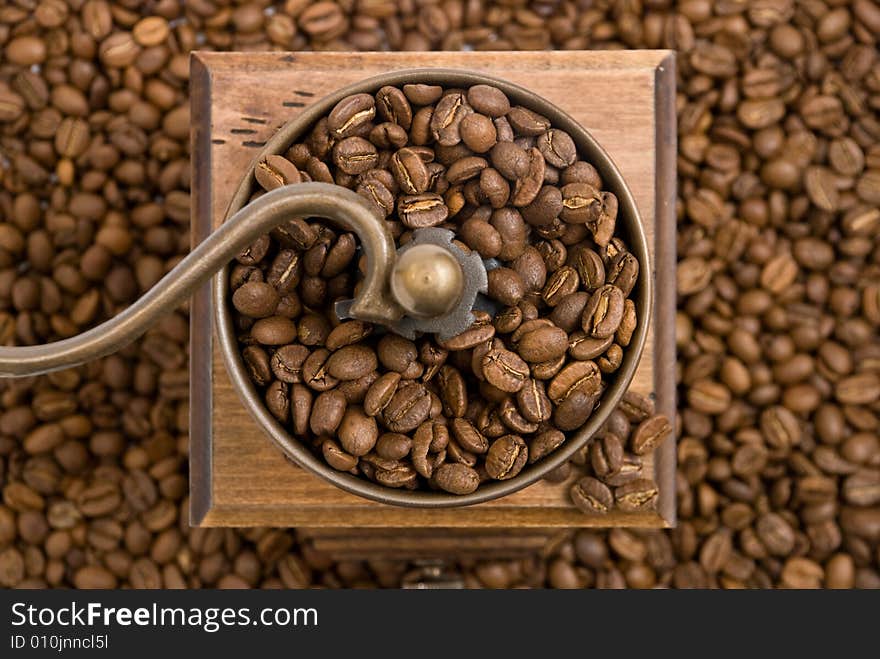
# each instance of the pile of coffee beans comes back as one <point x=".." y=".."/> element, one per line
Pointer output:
<point x="480" y="406"/>
<point x="612" y="467"/>
<point x="778" y="170"/>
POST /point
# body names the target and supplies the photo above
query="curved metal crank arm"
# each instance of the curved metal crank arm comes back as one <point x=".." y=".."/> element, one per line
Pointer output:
<point x="333" y="202"/>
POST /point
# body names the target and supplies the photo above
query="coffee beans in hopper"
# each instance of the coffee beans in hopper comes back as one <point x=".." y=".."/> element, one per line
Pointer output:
<point x="428" y="156"/>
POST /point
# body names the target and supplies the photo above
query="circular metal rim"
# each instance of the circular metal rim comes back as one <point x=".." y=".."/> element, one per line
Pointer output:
<point x="631" y="226"/>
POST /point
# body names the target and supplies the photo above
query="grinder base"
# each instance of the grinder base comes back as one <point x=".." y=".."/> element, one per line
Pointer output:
<point x="238" y="478"/>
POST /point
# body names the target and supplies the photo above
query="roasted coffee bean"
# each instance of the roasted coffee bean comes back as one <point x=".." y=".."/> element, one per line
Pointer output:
<point x="544" y="208"/>
<point x="544" y="444"/>
<point x="423" y="439"/>
<point x="255" y="253"/>
<point x="422" y="94"/>
<point x="553" y="252"/>
<point x="348" y="333"/>
<point x="546" y="370"/>
<point x="351" y="114"/>
<point x="504" y="369"/>
<point x="628" y="324"/>
<point x="327" y="412"/>
<point x="650" y="434"/>
<point x="351" y="362"/>
<point x="380" y="393"/>
<point x="320" y="141"/>
<point x="580" y="203"/>
<point x="393" y="446"/>
<point x="339" y="256"/>
<point x="468" y="437"/>
<point x="780" y="427"/>
<point x="618" y="423"/>
<point x="530" y="267"/>
<point x="589" y="267"/>
<point x="453" y="391"/>
<point x="542" y="344"/>
<point x="396" y="353"/>
<point x="478" y="132"/>
<point x="481" y="236"/>
<point x="94" y="577"/>
<point x="422" y="210"/>
<point x="300" y="408"/>
<point x="510" y="161"/>
<point x="408" y="408"/>
<point x="420" y="129"/>
<point x="574" y="410"/>
<point x="526" y="121"/>
<point x="559" y="474"/>
<point x="604" y="312"/>
<point x="355" y="155"/>
<point x="606" y="455"/>
<point x="256" y="360"/>
<point x="455" y="453"/>
<point x="582" y="376"/>
<point x="357" y="432"/>
<point x="506" y="457"/>
<point x="581" y="172"/>
<point x="274" y="330"/>
<point x="591" y="496"/>
<point x="775" y="533"/>
<point x="862" y="488"/>
<point x="611" y="360"/>
<point x="604" y="220"/>
<point x="376" y="192"/>
<point x="447" y="117"/>
<point x="479" y="333"/>
<point x="568" y="312"/>
<point x="636" y="495"/>
<point x="509" y="224"/>
<point x="488" y="100"/>
<point x="275" y="171"/>
<point x="859" y="389"/>
<point x="278" y="401"/>
<point x="561" y="283"/>
<point x="527" y="187"/>
<point x="636" y="406"/>
<point x="456" y="478"/>
<point x="506" y="286"/>
<point x="388" y="136"/>
<point x="295" y="233"/>
<point x="533" y="402"/>
<point x="409" y="171"/>
<point x="256" y="299"/>
<point x="98" y="499"/>
<point x="287" y="363"/>
<point x="529" y="326"/>
<point x="465" y="169"/>
<point x="355" y="391"/>
<point x="336" y="457"/>
<point x="557" y="147"/>
<point x="397" y="476"/>
<point x="509" y="415"/>
<point x="315" y="373"/>
<point x="393" y="106"/>
<point x="623" y="271"/>
<point x="494" y="187"/>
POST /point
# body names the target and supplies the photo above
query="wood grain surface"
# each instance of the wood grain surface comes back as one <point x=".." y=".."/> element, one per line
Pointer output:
<point x="626" y="99"/>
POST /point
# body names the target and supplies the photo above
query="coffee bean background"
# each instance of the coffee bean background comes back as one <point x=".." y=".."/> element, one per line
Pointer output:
<point x="779" y="288"/>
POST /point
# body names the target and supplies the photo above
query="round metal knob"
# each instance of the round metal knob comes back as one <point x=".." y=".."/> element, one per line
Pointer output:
<point x="427" y="281"/>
